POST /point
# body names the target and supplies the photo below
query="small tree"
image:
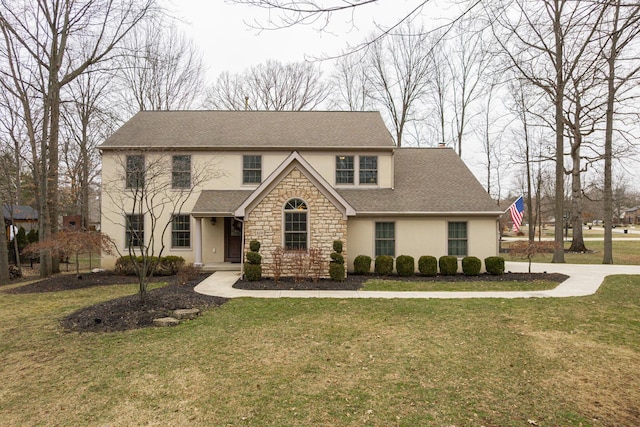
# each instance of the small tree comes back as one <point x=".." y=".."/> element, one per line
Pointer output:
<point x="73" y="242"/>
<point x="145" y="197"/>
<point x="527" y="250"/>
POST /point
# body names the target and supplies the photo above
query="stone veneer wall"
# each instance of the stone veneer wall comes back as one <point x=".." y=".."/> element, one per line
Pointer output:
<point x="264" y="223"/>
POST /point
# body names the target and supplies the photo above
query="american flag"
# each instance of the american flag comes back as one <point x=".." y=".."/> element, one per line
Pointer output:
<point x="517" y="212"/>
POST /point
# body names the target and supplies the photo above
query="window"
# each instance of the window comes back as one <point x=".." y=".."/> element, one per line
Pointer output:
<point x="458" y="238"/>
<point x="134" y="234"/>
<point x="181" y="231"/>
<point x="368" y="170"/>
<point x="295" y="225"/>
<point x="135" y="171"/>
<point x="344" y="169"/>
<point x="385" y="238"/>
<point x="181" y="172"/>
<point x="251" y="169"/>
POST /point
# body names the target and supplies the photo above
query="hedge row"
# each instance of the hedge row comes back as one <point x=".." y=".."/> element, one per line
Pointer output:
<point x="428" y="265"/>
<point x="164" y="266"/>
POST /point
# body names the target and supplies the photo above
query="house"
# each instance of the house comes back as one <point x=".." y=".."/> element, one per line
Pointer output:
<point x="632" y="216"/>
<point x="295" y="180"/>
<point x="21" y="215"/>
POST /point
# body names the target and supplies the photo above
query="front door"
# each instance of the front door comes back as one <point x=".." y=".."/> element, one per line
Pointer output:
<point x="232" y="240"/>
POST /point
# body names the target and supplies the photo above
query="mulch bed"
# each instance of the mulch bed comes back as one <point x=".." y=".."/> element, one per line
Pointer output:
<point x="124" y="313"/>
<point x="354" y="282"/>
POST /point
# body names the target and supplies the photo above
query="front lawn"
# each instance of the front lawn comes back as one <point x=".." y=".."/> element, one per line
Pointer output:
<point x="329" y="362"/>
<point x="462" y="286"/>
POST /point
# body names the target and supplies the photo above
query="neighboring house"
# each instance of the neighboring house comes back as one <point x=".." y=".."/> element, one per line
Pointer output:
<point x="22" y="215"/>
<point x="300" y="180"/>
<point x="632" y="216"/>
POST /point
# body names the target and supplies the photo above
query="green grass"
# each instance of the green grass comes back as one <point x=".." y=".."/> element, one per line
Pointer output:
<point x="330" y="362"/>
<point x="399" y="286"/>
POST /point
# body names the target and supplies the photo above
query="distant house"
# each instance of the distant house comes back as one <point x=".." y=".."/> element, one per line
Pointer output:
<point x="300" y="180"/>
<point x="21" y="215"/>
<point x="632" y="216"/>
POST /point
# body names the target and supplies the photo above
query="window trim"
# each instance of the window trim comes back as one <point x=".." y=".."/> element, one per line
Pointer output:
<point x="253" y="169"/>
<point x="306" y="232"/>
<point x="361" y="170"/>
<point x="174" y="231"/>
<point x="464" y="239"/>
<point x="134" y="179"/>
<point x="377" y="239"/>
<point x="352" y="170"/>
<point x="175" y="172"/>
<point x="129" y="232"/>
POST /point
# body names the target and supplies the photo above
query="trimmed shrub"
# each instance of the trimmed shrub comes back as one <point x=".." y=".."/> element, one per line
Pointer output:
<point x="252" y="267"/>
<point x="428" y="265"/>
<point x="169" y="265"/>
<point x="254" y="258"/>
<point x="254" y="246"/>
<point x="336" y="266"/>
<point x="448" y="265"/>
<point x="337" y="258"/>
<point x="252" y="272"/>
<point x="471" y="266"/>
<point x="384" y="265"/>
<point x="124" y="265"/>
<point x="494" y="265"/>
<point x="405" y="265"/>
<point x="362" y="264"/>
<point x="336" y="271"/>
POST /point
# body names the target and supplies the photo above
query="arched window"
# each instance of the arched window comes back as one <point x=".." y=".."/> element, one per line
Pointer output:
<point x="295" y="225"/>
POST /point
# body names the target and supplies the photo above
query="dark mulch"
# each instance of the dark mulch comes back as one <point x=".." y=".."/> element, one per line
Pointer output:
<point x="354" y="282"/>
<point x="128" y="312"/>
<point x="68" y="282"/>
<point x="124" y="313"/>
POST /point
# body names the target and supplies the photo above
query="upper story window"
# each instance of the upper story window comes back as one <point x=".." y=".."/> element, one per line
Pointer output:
<point x="344" y="169"/>
<point x="295" y="225"/>
<point x="251" y="169"/>
<point x="368" y="169"/>
<point x="181" y="172"/>
<point x="457" y="239"/>
<point x="135" y="171"/>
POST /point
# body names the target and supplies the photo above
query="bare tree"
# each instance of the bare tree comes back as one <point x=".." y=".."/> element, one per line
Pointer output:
<point x="143" y="199"/>
<point x="545" y="45"/>
<point x="351" y="87"/>
<point x="270" y="86"/>
<point x="621" y="27"/>
<point x="88" y="121"/>
<point x="47" y="45"/>
<point x="4" y="253"/>
<point x="468" y="61"/>
<point x="160" y="70"/>
<point x="399" y="72"/>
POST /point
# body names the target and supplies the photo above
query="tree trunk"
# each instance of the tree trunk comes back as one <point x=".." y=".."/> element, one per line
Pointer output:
<point x="577" y="242"/>
<point x="4" y="253"/>
<point x="608" y="142"/>
<point x="558" y="254"/>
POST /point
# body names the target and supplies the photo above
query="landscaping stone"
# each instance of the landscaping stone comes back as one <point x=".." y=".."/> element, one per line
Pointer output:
<point x="186" y="313"/>
<point x="166" y="321"/>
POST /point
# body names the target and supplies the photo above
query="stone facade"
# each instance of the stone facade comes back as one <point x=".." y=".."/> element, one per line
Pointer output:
<point x="265" y="223"/>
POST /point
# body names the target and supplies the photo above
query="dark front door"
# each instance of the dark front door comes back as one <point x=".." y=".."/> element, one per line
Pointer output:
<point x="232" y="240"/>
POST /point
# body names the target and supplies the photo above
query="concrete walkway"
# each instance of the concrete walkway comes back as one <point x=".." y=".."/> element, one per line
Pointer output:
<point x="584" y="279"/>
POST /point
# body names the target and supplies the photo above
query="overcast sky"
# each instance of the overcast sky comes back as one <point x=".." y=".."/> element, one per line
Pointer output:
<point x="223" y="32"/>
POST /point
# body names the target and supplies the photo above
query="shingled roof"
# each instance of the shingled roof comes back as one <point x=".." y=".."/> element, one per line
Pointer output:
<point x="240" y="130"/>
<point x="427" y="181"/>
